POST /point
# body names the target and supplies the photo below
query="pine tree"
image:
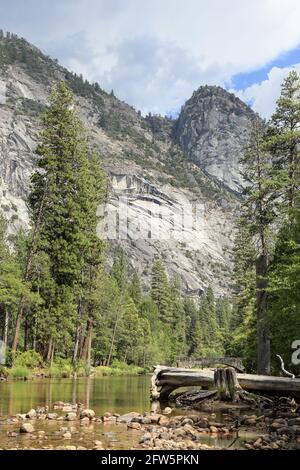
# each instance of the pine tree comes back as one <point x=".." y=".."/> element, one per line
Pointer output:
<point x="161" y="292"/>
<point x="283" y="141"/>
<point x="258" y="215"/>
<point x="63" y="202"/>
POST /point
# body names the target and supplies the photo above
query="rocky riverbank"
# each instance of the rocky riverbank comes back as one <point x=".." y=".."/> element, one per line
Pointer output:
<point x="74" y="427"/>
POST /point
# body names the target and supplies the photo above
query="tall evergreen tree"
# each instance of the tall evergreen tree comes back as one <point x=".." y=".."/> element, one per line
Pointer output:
<point x="161" y="292"/>
<point x="63" y="201"/>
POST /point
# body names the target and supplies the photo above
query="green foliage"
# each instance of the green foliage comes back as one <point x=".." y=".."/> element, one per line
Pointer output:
<point x="118" y="368"/>
<point x="61" y="368"/>
<point x="270" y="226"/>
<point x="29" y="359"/>
<point x="4" y="372"/>
<point x="19" y="372"/>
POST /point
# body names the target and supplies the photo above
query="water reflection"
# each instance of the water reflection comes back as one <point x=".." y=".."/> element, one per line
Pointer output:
<point x="115" y="394"/>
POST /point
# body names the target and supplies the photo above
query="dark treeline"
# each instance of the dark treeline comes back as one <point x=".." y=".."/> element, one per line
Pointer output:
<point x="56" y="297"/>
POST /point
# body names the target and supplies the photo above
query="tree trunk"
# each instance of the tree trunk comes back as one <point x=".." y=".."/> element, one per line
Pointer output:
<point x="226" y="383"/>
<point x="263" y="349"/>
<point x="49" y="350"/>
<point x="87" y="344"/>
<point x="52" y="355"/>
<point x="6" y="323"/>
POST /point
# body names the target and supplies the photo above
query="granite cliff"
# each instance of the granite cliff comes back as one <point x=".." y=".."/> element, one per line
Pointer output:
<point x="162" y="172"/>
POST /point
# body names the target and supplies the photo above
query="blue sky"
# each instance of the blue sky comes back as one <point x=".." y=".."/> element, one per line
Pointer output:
<point x="155" y="53"/>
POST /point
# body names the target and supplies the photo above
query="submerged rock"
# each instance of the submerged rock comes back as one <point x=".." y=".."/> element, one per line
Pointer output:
<point x="26" y="428"/>
<point x="31" y="414"/>
<point x="128" y="417"/>
<point x="71" y="416"/>
<point x="87" y="414"/>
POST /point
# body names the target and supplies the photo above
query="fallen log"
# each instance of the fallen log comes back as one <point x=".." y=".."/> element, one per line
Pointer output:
<point x="167" y="379"/>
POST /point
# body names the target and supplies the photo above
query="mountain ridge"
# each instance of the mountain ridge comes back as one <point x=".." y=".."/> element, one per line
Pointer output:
<point x="149" y="149"/>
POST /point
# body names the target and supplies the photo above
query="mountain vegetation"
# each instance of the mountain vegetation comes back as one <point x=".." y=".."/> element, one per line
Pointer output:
<point x="267" y="271"/>
<point x="56" y="297"/>
<point x="62" y="304"/>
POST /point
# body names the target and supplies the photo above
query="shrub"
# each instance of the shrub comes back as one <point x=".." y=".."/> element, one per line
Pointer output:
<point x="118" y="368"/>
<point x="19" y="372"/>
<point x="30" y="359"/>
<point x="61" y="368"/>
<point x="3" y="371"/>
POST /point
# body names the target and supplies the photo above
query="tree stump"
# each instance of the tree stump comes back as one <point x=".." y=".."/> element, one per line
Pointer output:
<point x="227" y="385"/>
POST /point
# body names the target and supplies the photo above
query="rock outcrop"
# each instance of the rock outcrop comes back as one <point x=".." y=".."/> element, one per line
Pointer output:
<point x="183" y="210"/>
<point x="212" y="129"/>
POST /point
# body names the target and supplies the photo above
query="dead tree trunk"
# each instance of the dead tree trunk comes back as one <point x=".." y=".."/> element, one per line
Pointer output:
<point x="263" y="348"/>
<point x="227" y="385"/>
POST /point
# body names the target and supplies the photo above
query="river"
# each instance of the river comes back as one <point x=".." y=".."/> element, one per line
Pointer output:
<point x="105" y="394"/>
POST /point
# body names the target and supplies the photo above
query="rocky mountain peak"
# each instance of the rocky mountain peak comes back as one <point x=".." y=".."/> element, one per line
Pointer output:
<point x="212" y="130"/>
<point x="159" y="169"/>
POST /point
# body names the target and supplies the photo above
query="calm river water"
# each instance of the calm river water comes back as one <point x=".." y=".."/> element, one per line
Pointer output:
<point x="113" y="394"/>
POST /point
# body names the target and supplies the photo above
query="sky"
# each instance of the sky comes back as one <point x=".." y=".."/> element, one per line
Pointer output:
<point x="155" y="53"/>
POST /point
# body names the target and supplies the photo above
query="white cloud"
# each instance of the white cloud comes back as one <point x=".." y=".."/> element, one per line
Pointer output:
<point x="154" y="53"/>
<point x="263" y="96"/>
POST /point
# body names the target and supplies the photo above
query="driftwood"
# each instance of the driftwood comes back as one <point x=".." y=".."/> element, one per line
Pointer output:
<point x="289" y="374"/>
<point x="167" y="379"/>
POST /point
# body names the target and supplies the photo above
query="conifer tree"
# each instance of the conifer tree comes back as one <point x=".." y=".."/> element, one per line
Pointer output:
<point x="161" y="292"/>
<point x="63" y="200"/>
<point x="283" y="141"/>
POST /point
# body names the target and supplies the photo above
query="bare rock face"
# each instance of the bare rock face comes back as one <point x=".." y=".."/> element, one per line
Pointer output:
<point x="212" y="129"/>
<point x="178" y="208"/>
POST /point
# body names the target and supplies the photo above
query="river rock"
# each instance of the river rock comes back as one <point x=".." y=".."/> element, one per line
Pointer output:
<point x="203" y="422"/>
<point x="187" y="421"/>
<point x="26" y="428"/>
<point x="11" y="434"/>
<point x="154" y="417"/>
<point x="146" y="437"/>
<point x="67" y="435"/>
<point x="71" y="416"/>
<point x="167" y="411"/>
<point x="128" y="417"/>
<point x="285" y="430"/>
<point x="134" y="425"/>
<point x="52" y="416"/>
<point x="21" y="416"/>
<point x="84" y="421"/>
<point x="145" y="420"/>
<point x="109" y="419"/>
<point x="31" y="414"/>
<point x="87" y="414"/>
<point x="213" y="429"/>
<point x="67" y="408"/>
<point x="98" y="445"/>
<point x="164" y="421"/>
<point x="295" y="421"/>
<point x="296" y="429"/>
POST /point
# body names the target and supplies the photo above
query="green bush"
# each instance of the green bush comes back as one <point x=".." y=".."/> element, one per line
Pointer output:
<point x="118" y="368"/>
<point x="61" y="368"/>
<point x="3" y="371"/>
<point x="30" y="359"/>
<point x="19" y="372"/>
<point x="82" y="369"/>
